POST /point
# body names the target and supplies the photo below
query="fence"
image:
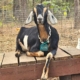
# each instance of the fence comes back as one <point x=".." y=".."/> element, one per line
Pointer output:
<point x="9" y="26"/>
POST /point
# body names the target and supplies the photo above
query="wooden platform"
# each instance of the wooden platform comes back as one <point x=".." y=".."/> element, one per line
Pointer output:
<point x="62" y="66"/>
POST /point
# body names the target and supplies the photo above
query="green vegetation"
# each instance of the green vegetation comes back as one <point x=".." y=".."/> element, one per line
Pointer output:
<point x="7" y="10"/>
<point x="0" y="23"/>
<point x="58" y="6"/>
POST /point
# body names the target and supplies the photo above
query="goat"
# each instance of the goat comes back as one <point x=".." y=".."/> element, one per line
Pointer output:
<point x="41" y="40"/>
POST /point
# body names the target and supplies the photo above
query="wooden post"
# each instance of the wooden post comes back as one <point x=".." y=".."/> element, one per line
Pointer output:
<point x="33" y="3"/>
<point x="77" y="14"/>
<point x="41" y="1"/>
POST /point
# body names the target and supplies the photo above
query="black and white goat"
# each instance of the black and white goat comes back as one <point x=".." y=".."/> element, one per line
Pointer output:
<point x="41" y="40"/>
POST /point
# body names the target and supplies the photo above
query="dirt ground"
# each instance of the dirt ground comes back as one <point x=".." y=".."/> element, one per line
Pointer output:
<point x="68" y="35"/>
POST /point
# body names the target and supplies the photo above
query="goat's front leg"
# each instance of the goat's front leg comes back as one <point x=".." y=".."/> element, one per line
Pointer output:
<point x="18" y="53"/>
<point x="22" y="46"/>
<point x="45" y="71"/>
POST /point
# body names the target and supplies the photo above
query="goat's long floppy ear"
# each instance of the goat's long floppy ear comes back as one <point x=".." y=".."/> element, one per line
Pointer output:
<point x="29" y="19"/>
<point x="51" y="17"/>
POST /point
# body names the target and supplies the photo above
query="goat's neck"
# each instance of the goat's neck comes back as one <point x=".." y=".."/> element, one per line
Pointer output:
<point x="42" y="32"/>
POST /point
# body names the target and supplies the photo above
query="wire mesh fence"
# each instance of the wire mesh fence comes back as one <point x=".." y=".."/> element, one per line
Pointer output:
<point x="11" y="21"/>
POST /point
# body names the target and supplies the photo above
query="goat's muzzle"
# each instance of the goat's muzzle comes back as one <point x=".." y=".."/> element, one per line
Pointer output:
<point x="40" y="19"/>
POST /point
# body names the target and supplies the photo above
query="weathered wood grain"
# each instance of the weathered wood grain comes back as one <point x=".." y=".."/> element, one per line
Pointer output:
<point x="72" y="50"/>
<point x="10" y="58"/>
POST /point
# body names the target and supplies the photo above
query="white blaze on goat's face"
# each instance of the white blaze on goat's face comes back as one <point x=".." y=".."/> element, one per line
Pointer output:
<point x="38" y="12"/>
<point x="40" y="19"/>
<point x="41" y="12"/>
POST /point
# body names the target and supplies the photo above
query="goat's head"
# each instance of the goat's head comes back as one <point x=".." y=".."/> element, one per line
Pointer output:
<point x="40" y="14"/>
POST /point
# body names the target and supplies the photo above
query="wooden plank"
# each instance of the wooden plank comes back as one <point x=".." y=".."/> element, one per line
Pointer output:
<point x="65" y="67"/>
<point x="9" y="59"/>
<point x="61" y="55"/>
<point x="39" y="59"/>
<point x="1" y="58"/>
<point x="26" y="59"/>
<point x="26" y="72"/>
<point x="72" y="50"/>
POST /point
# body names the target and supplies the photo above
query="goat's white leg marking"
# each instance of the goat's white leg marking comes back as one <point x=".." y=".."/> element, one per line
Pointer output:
<point x="25" y="41"/>
<point x="45" y="74"/>
<point x="22" y="46"/>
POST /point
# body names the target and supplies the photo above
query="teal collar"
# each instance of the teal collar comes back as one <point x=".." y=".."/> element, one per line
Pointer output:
<point x="44" y="45"/>
<point x="47" y="38"/>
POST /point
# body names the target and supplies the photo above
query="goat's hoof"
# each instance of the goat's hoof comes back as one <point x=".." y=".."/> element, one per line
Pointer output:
<point x="17" y="55"/>
<point x="44" y="77"/>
